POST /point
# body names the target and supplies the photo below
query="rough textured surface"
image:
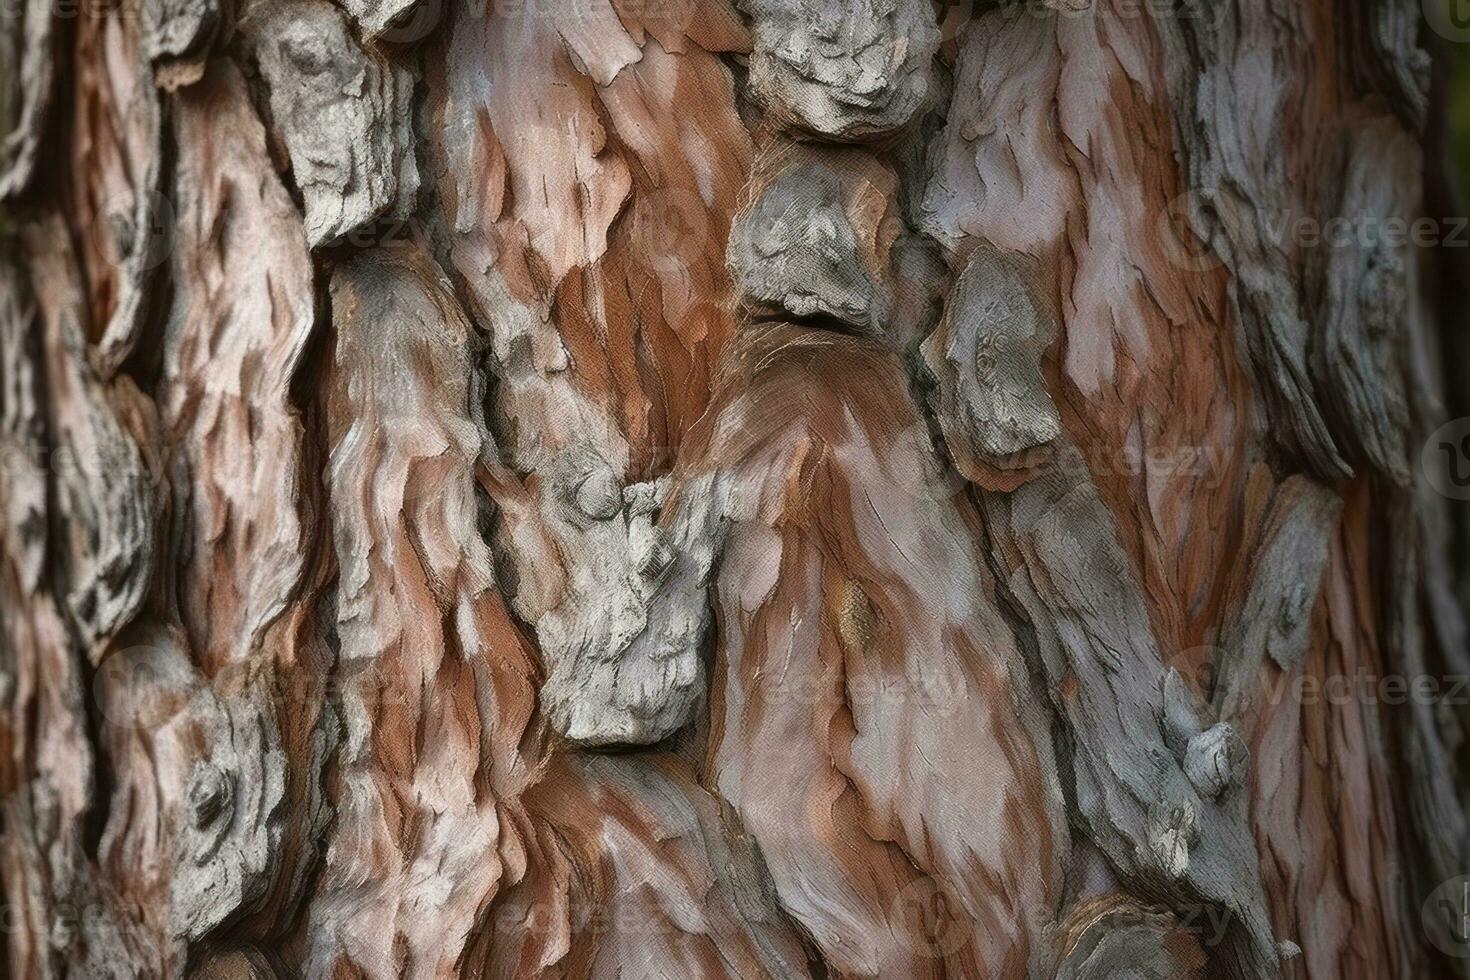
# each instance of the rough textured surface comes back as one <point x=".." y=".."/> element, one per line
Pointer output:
<point x="624" y="655"/>
<point x="817" y="238"/>
<point x="243" y="312"/>
<point x="851" y="70"/>
<point x="866" y="678"/>
<point x="591" y="249"/>
<point x="104" y="489"/>
<point x="117" y="199"/>
<point x="1384" y="55"/>
<point x="178" y="36"/>
<point x="1228" y="77"/>
<point x="1131" y="725"/>
<point x="991" y="400"/>
<point x="405" y="438"/>
<point x="27" y="71"/>
<point x="668" y="539"/>
<point x="1359" y="352"/>
<point x="344" y="114"/>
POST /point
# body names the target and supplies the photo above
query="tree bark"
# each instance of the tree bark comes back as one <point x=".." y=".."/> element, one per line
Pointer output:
<point x="600" y="488"/>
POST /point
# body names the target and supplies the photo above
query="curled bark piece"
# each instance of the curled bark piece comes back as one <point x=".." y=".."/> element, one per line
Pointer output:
<point x="126" y="221"/>
<point x="850" y="70"/>
<point x="104" y="490"/>
<point x="344" y="114"/>
<point x="991" y="401"/>
<point x="1358" y="355"/>
<point x="178" y="35"/>
<point x="816" y="237"/>
<point x="870" y="717"/>
<point x="241" y="316"/>
<point x="1129" y="725"/>
<point x="27" y="71"/>
<point x="1234" y="198"/>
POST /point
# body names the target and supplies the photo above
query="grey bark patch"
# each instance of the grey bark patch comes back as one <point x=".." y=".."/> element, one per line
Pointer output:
<point x="1274" y="618"/>
<point x="846" y="70"/>
<point x="229" y="831"/>
<point x="1383" y="54"/>
<point x="27" y="71"/>
<point x="103" y="487"/>
<point x="1124" y="722"/>
<point x="398" y="21"/>
<point x="1363" y="306"/>
<point x="1239" y="189"/>
<point x="796" y="250"/>
<point x="623" y="646"/>
<point x="344" y="114"/>
<point x="22" y="435"/>
<point x="177" y="37"/>
<point x="991" y="400"/>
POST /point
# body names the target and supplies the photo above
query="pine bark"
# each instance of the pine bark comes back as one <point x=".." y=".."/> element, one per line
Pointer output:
<point x="601" y="488"/>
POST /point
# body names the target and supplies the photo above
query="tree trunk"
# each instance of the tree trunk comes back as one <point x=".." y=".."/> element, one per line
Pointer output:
<point x="662" y="488"/>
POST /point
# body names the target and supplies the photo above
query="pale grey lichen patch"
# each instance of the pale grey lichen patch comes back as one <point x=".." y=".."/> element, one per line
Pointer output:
<point x="991" y="400"/>
<point x="344" y="114"/>
<point x="845" y="70"/>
